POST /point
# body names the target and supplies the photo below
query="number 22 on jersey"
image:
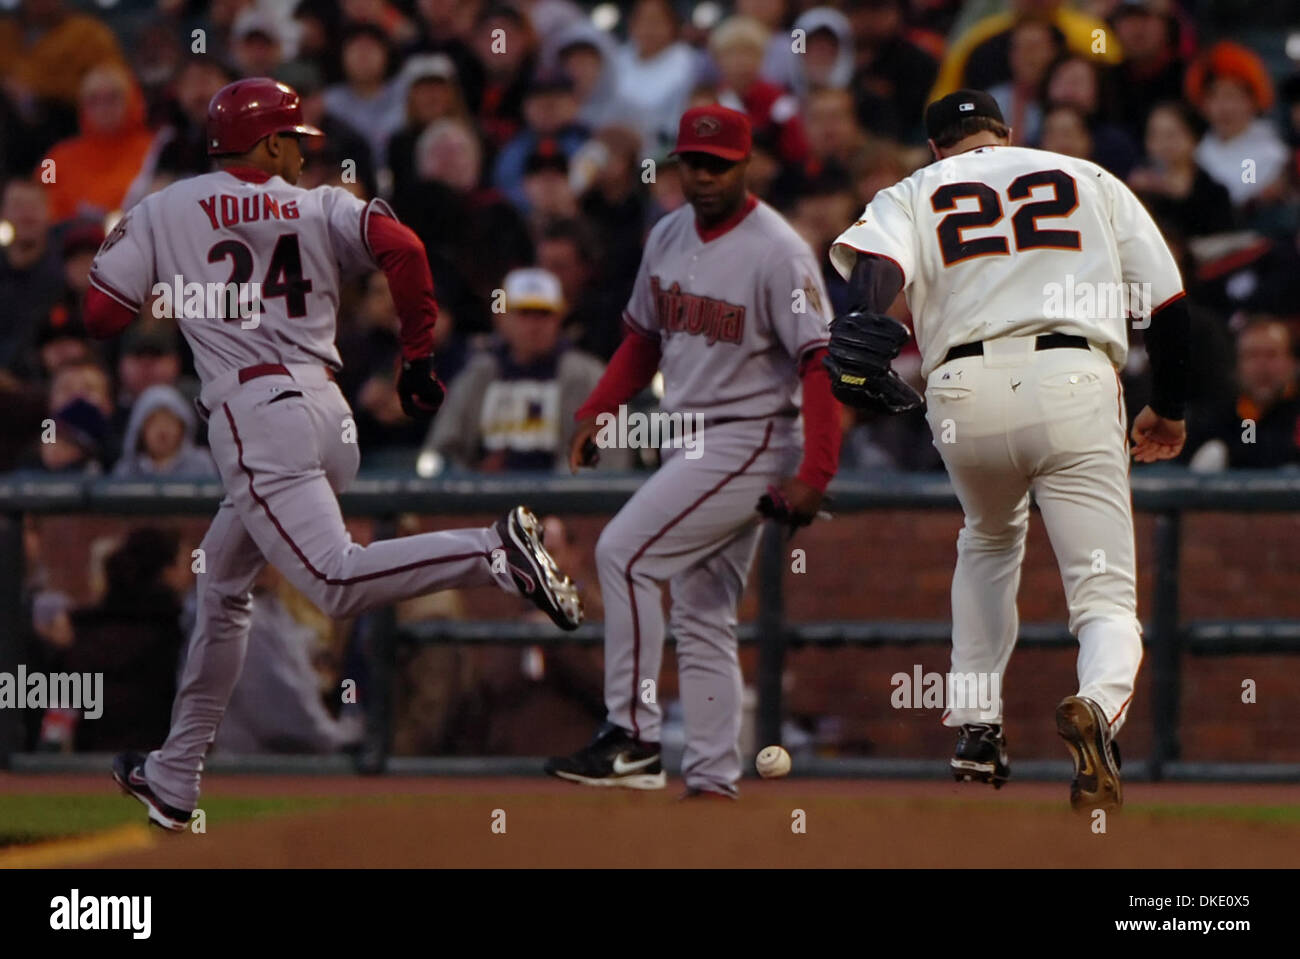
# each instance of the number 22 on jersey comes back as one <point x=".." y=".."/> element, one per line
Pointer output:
<point x="956" y="246"/>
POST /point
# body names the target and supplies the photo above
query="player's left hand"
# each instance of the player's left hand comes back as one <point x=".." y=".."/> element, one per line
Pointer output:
<point x="419" y="388"/>
<point x="1156" y="438"/>
<point x="858" y="358"/>
<point x="794" y="503"/>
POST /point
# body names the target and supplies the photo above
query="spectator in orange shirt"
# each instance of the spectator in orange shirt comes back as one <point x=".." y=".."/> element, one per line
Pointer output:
<point x="92" y="172"/>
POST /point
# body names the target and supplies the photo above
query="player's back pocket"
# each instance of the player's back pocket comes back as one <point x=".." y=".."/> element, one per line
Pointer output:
<point x="275" y="432"/>
<point x="955" y="423"/>
<point x="1071" y="407"/>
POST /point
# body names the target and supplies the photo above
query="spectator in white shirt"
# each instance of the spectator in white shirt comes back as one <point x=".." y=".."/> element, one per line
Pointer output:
<point x="656" y="72"/>
<point x="1242" y="149"/>
<point x="367" y="100"/>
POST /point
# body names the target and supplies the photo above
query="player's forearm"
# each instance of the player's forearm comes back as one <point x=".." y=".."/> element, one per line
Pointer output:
<point x="630" y="370"/>
<point x="874" y="283"/>
<point x="104" y="316"/>
<point x="821" y="424"/>
<point x="401" y="256"/>
<point x="1168" y="342"/>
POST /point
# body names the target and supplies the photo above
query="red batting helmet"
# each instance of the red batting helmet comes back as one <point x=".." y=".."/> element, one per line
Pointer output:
<point x="245" y="111"/>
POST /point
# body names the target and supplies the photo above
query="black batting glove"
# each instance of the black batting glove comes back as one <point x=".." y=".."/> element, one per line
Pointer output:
<point x="419" y="389"/>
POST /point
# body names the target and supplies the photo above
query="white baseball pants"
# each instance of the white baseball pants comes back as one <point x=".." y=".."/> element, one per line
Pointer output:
<point x="1017" y="420"/>
<point x="692" y="525"/>
<point x="283" y="447"/>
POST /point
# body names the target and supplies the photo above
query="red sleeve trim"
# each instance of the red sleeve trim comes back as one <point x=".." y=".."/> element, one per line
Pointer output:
<point x="107" y="290"/>
<point x="637" y="327"/>
<point x="811" y="344"/>
<point x="1173" y="299"/>
<point x="104" y="315"/>
<point x="375" y="206"/>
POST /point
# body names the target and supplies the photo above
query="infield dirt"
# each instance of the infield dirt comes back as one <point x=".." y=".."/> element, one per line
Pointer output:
<point x="443" y="823"/>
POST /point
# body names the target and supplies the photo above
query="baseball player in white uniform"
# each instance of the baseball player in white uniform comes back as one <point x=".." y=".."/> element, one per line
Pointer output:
<point x="280" y="430"/>
<point x="729" y="304"/>
<point x="1020" y="269"/>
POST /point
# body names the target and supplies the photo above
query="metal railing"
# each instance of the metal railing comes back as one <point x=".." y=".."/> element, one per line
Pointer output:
<point x="1167" y="492"/>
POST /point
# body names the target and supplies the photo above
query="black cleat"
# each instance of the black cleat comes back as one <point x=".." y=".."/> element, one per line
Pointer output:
<point x="981" y="755"/>
<point x="128" y="773"/>
<point x="535" y="572"/>
<point x="613" y="758"/>
<point x="1083" y="726"/>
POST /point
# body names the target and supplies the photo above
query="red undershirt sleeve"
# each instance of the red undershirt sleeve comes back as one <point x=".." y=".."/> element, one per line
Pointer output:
<point x="821" y="424"/>
<point x="104" y="316"/>
<point x="630" y="370"/>
<point x="401" y="256"/>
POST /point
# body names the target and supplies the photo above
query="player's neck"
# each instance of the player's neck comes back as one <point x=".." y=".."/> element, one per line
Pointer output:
<point x="985" y="138"/>
<point x="713" y="230"/>
<point x="247" y="170"/>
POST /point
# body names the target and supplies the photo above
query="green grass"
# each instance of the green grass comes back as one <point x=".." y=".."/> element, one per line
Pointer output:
<point x="27" y="819"/>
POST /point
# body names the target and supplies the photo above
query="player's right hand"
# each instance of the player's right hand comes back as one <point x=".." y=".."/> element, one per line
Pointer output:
<point x="793" y="504"/>
<point x="419" y="389"/>
<point x="582" y="449"/>
<point x="1156" y="438"/>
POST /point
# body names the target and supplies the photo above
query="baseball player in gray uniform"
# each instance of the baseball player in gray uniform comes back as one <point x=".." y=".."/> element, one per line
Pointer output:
<point x="280" y="430"/>
<point x="729" y="304"/>
<point x="1021" y="268"/>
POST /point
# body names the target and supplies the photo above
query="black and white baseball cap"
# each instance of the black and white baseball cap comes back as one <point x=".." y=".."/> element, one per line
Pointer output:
<point x="947" y="112"/>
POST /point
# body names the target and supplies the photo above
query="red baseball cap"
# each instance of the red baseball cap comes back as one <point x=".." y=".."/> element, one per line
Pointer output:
<point x="716" y="130"/>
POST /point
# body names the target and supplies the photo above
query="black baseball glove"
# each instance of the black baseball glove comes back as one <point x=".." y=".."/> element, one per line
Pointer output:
<point x="862" y="347"/>
<point x="419" y="388"/>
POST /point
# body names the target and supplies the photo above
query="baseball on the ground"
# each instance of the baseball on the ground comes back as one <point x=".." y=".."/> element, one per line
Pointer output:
<point x="773" y="762"/>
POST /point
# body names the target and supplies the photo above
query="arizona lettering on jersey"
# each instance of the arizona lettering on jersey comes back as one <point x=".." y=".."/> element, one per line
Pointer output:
<point x="234" y="230"/>
<point x="734" y="312"/>
<point x="681" y="312"/>
<point x="997" y="241"/>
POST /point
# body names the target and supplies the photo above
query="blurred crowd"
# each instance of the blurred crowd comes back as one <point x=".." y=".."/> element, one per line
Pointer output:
<point x="527" y="144"/>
